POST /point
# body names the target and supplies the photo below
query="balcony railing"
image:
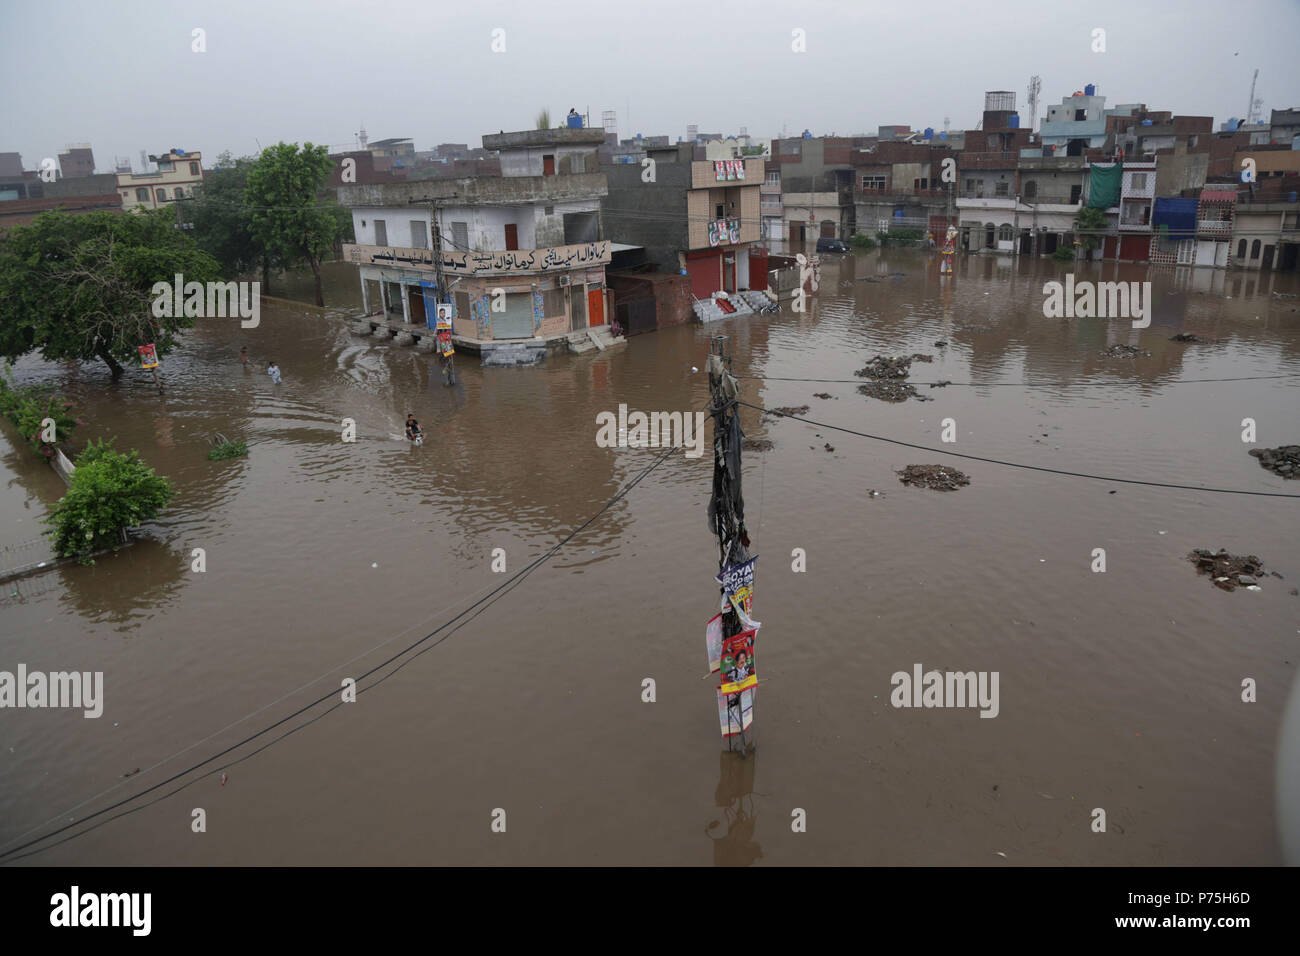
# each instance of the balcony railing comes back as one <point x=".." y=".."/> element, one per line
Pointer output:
<point x="1213" y="226"/>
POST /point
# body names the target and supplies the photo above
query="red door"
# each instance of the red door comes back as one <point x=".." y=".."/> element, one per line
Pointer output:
<point x="595" y="307"/>
<point x="512" y="236"/>
<point x="757" y="269"/>
<point x="548" y="165"/>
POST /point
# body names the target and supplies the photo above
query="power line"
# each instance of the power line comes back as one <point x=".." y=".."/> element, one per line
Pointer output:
<point x="1175" y="381"/>
<point x="481" y="604"/>
<point x="1015" y="464"/>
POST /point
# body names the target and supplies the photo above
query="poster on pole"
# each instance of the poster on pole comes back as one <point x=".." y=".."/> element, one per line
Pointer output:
<point x="738" y="583"/>
<point x="444" y="328"/>
<point x="148" y="356"/>
<point x="737" y="665"/>
<point x="713" y="643"/>
<point x="735" y="712"/>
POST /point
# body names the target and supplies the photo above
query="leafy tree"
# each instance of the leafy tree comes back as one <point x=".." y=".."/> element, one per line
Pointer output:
<point x="284" y="216"/>
<point x="80" y="287"/>
<point x="221" y="220"/>
<point x="109" y="491"/>
<point x="543" y="119"/>
<point x="1091" y="225"/>
<point x="29" y="406"/>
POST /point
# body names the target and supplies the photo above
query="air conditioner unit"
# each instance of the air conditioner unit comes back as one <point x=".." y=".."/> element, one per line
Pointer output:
<point x="565" y="280"/>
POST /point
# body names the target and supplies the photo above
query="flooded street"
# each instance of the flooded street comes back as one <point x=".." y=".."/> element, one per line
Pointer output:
<point x="1119" y="690"/>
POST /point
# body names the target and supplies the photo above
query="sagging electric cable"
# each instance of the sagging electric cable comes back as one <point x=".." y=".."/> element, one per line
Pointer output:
<point x="1016" y="464"/>
<point x="1175" y="381"/>
<point x="508" y="585"/>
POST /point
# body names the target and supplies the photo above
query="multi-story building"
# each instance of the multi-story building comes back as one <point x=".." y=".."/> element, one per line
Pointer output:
<point x="898" y="184"/>
<point x="817" y="186"/>
<point x="771" y="209"/>
<point x="695" y="217"/>
<point x="1076" y="124"/>
<point x="178" y="174"/>
<point x="1132" y="241"/>
<point x="77" y="162"/>
<point x="520" y="255"/>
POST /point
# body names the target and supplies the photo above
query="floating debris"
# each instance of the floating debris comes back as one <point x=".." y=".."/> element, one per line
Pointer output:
<point x="829" y="447"/>
<point x="891" y="391"/>
<point x="934" y="477"/>
<point x="1228" y="571"/>
<point x="941" y="344"/>
<point x="757" y="444"/>
<point x="882" y="367"/>
<point x="1283" y="460"/>
<point x="822" y="395"/>
<point x="789" y="411"/>
<point x="940" y="384"/>
<point x="1123" y="351"/>
<point x="918" y="357"/>
<point x="873" y="493"/>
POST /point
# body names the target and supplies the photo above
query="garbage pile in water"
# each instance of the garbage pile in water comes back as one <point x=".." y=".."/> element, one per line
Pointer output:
<point x="1283" y="460"/>
<point x="1123" y="351"/>
<point x="1229" y="571"/>
<point x="934" y="477"/>
<point x="886" y="372"/>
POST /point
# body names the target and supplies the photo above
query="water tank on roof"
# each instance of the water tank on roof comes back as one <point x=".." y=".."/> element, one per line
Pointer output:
<point x="1013" y="121"/>
<point x="1232" y="124"/>
<point x="807" y="134"/>
<point x="575" y="121"/>
<point x="638" y="136"/>
<point x="1090" y="90"/>
<point x="943" y="135"/>
<point x="1146" y="123"/>
<point x="929" y="133"/>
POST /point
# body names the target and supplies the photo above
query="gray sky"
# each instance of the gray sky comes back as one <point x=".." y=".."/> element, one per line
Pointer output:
<point x="123" y="77"/>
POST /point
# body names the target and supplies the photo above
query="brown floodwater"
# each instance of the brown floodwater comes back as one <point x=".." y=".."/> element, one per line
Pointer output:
<point x="1118" y="690"/>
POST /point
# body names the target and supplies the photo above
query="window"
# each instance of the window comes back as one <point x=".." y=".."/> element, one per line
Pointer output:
<point x="774" y="178"/>
<point x="873" y="183"/>
<point x="1254" y="249"/>
<point x="1002" y="188"/>
<point x="1241" y="249"/>
<point x="920" y="184"/>
<point x="162" y="194"/>
<point x="460" y="236"/>
<point x="381" y="232"/>
<point x="142" y="195"/>
<point x="1075" y="192"/>
<point x="419" y="235"/>
<point x="1080" y="116"/>
<point x="721" y="211"/>
<point x="165" y="166"/>
<point x="1031" y="189"/>
<point x="1005" y="233"/>
<point x="194" y="169"/>
<point x="552" y="302"/>
<point x="179" y="193"/>
<point x="1139" y="182"/>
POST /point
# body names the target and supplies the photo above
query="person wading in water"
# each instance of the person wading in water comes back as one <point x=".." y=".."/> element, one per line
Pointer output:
<point x="413" y="429"/>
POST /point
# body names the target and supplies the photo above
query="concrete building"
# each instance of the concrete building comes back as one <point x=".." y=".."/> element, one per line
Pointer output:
<point x="898" y="184"/>
<point x="177" y="176"/>
<point x="771" y="209"/>
<point x="1076" y="124"/>
<point x="1284" y="127"/>
<point x="697" y="217"/>
<point x="1132" y="241"/>
<point x="817" y="186"/>
<point x="78" y="162"/>
<point x="521" y="254"/>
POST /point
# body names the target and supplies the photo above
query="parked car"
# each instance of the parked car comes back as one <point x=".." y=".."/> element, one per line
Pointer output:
<point x="832" y="245"/>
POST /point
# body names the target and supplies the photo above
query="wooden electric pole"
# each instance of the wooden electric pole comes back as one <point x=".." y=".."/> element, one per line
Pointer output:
<point x="727" y="510"/>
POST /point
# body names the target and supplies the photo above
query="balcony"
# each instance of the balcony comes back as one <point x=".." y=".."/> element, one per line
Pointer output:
<point x="552" y="259"/>
<point x="1214" y="227"/>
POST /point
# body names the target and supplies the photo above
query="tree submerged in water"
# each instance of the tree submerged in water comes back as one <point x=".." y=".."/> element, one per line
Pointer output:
<point x="81" y="287"/>
<point x="228" y="449"/>
<point x="109" y="492"/>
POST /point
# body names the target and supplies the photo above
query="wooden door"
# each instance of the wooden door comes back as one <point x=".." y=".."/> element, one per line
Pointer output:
<point x="595" y="307"/>
<point x="512" y="236"/>
<point x="548" y="165"/>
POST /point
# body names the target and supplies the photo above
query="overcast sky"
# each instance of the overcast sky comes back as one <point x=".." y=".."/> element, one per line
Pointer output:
<point x="123" y="76"/>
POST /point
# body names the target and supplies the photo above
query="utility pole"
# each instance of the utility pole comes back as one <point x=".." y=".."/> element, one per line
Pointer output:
<point x="443" y="294"/>
<point x="727" y="521"/>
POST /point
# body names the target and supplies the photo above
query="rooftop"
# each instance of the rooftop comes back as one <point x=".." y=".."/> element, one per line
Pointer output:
<point x="563" y="136"/>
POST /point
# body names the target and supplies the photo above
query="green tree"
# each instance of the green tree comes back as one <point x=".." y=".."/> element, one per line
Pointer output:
<point x="80" y="287"/>
<point x="543" y="119"/>
<point x="284" y="216"/>
<point x="222" y="226"/>
<point x="1090" y="225"/>
<point x="109" y="491"/>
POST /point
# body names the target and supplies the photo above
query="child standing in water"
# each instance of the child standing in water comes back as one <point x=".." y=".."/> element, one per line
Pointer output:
<point x="273" y="370"/>
<point x="243" y="355"/>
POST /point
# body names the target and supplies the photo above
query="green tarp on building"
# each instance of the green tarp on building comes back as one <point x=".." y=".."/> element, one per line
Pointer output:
<point x="1106" y="181"/>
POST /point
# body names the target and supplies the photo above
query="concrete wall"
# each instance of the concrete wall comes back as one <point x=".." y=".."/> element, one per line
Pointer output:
<point x="649" y="214"/>
<point x="568" y="160"/>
